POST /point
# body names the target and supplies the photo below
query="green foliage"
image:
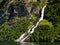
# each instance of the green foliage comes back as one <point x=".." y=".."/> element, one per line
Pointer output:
<point x="52" y="14"/>
<point x="36" y="3"/>
<point x="10" y="33"/>
<point x="52" y="11"/>
<point x="1" y="1"/>
<point x="57" y="32"/>
<point x="44" y="32"/>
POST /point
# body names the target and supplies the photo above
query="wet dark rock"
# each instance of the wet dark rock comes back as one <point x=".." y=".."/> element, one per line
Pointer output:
<point x="11" y="11"/>
<point x="21" y="10"/>
<point x="2" y="3"/>
<point x="2" y="20"/>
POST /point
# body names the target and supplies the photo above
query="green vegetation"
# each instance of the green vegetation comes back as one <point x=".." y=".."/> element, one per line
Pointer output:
<point x="48" y="30"/>
<point x="44" y="32"/>
<point x="10" y="33"/>
<point x="36" y="4"/>
<point x="52" y="12"/>
<point x="1" y="1"/>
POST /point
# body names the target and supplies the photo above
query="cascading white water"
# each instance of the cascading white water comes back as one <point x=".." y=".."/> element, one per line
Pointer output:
<point x="31" y="30"/>
<point x="40" y="19"/>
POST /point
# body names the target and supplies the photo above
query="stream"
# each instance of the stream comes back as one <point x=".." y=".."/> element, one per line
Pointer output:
<point x="31" y="30"/>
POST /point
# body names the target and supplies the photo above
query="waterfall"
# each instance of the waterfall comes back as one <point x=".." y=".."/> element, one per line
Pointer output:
<point x="31" y="30"/>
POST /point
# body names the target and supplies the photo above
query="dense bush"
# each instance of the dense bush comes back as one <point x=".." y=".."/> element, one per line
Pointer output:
<point x="57" y="32"/>
<point x="53" y="12"/>
<point x="13" y="32"/>
<point x="10" y="32"/>
<point x="44" y="32"/>
<point x="36" y="3"/>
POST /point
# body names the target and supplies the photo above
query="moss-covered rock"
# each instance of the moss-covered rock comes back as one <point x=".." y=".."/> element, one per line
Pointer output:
<point x="1" y="1"/>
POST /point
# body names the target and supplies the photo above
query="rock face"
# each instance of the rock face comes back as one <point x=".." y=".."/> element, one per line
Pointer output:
<point x="29" y="7"/>
<point x="35" y="11"/>
<point x="20" y="10"/>
<point x="2" y="3"/>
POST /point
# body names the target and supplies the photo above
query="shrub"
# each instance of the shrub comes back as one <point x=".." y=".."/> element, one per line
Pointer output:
<point x="15" y="30"/>
<point x="10" y="33"/>
<point x="36" y="3"/>
<point x="44" y="32"/>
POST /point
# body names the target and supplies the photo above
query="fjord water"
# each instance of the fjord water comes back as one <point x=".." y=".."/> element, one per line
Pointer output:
<point x="28" y="43"/>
